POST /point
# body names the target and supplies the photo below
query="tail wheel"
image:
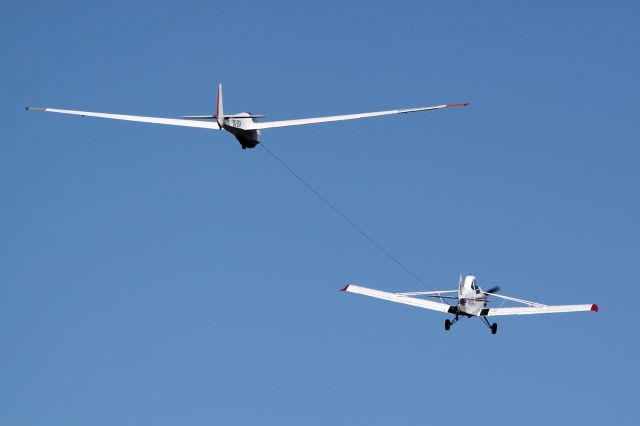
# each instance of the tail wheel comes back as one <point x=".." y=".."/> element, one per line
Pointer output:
<point x="494" y="328"/>
<point x="447" y="325"/>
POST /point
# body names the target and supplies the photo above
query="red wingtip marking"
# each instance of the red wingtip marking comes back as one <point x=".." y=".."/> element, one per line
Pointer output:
<point x="345" y="288"/>
<point x="594" y="308"/>
<point x="455" y="105"/>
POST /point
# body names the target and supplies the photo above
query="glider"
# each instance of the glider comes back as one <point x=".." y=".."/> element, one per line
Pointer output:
<point x="243" y="125"/>
<point x="471" y="302"/>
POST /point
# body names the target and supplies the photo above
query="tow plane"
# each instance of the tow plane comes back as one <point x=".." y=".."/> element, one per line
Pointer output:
<point x="243" y="125"/>
<point x="471" y="302"/>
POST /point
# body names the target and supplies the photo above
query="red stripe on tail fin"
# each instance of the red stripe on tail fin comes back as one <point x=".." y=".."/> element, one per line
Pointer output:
<point x="219" y="110"/>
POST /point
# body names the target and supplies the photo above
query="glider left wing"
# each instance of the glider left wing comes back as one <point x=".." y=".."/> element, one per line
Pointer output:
<point x="398" y="298"/>
<point x="315" y="120"/>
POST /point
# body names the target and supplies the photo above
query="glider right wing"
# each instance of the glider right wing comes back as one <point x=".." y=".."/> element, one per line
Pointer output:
<point x="156" y="120"/>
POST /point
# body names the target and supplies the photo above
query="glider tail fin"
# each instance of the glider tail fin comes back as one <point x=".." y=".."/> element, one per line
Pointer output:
<point x="219" y="109"/>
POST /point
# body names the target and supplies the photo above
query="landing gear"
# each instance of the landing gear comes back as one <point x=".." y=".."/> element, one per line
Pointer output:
<point x="493" y="327"/>
<point x="449" y="323"/>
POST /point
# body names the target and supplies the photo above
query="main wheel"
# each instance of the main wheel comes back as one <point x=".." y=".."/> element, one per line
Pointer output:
<point x="494" y="328"/>
<point x="447" y="325"/>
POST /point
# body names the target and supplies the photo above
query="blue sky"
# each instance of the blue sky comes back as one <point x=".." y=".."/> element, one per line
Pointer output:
<point x="159" y="275"/>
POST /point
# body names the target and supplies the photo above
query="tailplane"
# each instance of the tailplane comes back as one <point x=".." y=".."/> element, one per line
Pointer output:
<point x="219" y="116"/>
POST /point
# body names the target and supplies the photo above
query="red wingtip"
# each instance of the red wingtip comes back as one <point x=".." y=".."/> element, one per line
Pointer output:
<point x="594" y="307"/>
<point x="455" y="105"/>
<point x="345" y="288"/>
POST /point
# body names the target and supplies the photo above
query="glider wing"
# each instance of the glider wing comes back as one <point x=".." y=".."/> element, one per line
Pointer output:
<point x="303" y="121"/>
<point x="156" y="120"/>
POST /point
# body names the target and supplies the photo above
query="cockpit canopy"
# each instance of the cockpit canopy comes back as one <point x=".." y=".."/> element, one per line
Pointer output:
<point x="470" y="283"/>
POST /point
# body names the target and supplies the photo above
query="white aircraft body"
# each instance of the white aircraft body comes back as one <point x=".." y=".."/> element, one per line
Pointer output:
<point x="472" y="302"/>
<point x="243" y="125"/>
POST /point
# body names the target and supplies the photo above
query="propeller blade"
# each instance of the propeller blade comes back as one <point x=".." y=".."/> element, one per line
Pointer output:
<point x="495" y="289"/>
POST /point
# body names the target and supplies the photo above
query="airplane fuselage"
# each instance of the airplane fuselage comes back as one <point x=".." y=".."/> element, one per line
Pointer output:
<point x="471" y="299"/>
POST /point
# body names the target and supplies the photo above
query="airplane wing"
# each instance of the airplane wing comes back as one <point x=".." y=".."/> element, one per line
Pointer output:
<point x="532" y="307"/>
<point x="529" y="310"/>
<point x="398" y="298"/>
<point x="156" y="120"/>
<point x="303" y="121"/>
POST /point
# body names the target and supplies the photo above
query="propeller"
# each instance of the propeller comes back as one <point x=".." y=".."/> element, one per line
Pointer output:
<point x="495" y="289"/>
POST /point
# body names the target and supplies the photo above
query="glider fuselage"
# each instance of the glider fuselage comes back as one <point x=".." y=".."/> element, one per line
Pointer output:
<point x="238" y="126"/>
